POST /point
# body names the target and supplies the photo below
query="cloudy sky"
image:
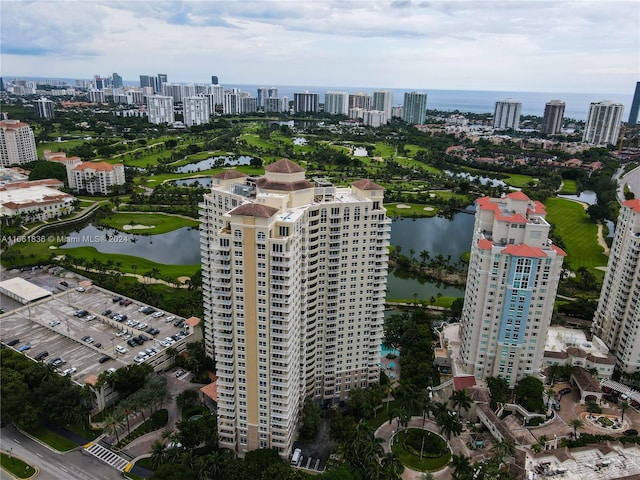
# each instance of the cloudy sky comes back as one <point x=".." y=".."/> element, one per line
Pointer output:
<point x="517" y="45"/>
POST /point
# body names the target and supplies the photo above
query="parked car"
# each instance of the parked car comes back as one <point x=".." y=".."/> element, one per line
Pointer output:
<point x="170" y="319"/>
<point x="13" y="342"/>
<point x="121" y="349"/>
<point x="106" y="313"/>
<point x="116" y="299"/>
<point x="632" y="432"/>
<point x="69" y="371"/>
<point x="80" y="289"/>
<point x="54" y="323"/>
<point x="127" y="302"/>
<point x="64" y="284"/>
<point x="132" y="343"/>
<point x="142" y="326"/>
<point x="41" y="356"/>
<point x="87" y="339"/>
<point x="158" y="314"/>
<point x="106" y="358"/>
<point x="24" y="347"/>
<point x="143" y="337"/>
<point x="178" y="323"/>
<point x="121" y="333"/>
<point x="180" y="373"/>
<point x="97" y="345"/>
<point x="89" y="318"/>
<point x="565" y="391"/>
<point x="81" y="313"/>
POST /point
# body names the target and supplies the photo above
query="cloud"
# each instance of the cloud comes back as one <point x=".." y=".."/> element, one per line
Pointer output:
<point x="535" y="45"/>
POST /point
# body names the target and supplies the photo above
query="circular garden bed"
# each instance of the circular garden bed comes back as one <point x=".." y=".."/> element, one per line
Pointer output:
<point x="415" y="443"/>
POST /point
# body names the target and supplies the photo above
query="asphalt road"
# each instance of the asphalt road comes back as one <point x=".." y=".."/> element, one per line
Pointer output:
<point x="54" y="466"/>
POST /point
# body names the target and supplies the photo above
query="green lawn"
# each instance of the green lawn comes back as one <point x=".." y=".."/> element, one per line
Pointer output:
<point x="126" y="261"/>
<point x="413" y="461"/>
<point x="383" y="414"/>
<point x="17" y="467"/>
<point x="519" y="181"/>
<point x="414" y="210"/>
<point x="580" y="236"/>
<point x="52" y="439"/>
<point x="162" y="223"/>
<point x="568" y="187"/>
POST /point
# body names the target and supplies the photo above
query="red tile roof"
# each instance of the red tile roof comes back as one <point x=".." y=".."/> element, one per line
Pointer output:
<point x="460" y="382"/>
<point x="559" y="251"/>
<point x="265" y="184"/>
<point x="484" y="244"/>
<point x="284" y="165"/>
<point x="633" y="204"/>
<point x="254" y="210"/>
<point x="211" y="390"/>
<point x="518" y="195"/>
<point x="229" y="175"/>
<point x="98" y="166"/>
<point x="192" y="321"/>
<point x="524" y="250"/>
<point x="366" y="184"/>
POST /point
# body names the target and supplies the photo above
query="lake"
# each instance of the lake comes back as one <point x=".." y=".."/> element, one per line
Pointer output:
<point x="214" y="162"/>
<point x="159" y="248"/>
<point x="193" y="182"/>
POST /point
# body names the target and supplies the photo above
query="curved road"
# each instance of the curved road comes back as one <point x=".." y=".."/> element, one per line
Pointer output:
<point x="73" y="465"/>
<point x="633" y="180"/>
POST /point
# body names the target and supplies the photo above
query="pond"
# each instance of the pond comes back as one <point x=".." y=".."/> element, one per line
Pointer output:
<point x="193" y="182"/>
<point x="214" y="162"/>
<point x="494" y="182"/>
<point x="160" y="248"/>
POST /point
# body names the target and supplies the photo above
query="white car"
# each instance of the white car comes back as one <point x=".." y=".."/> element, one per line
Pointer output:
<point x="121" y="333"/>
<point x="158" y="314"/>
<point x="142" y="326"/>
<point x="121" y="349"/>
<point x="89" y="318"/>
<point x="69" y="371"/>
<point x="139" y="359"/>
<point x="54" y="323"/>
<point x="79" y="289"/>
<point x="170" y="319"/>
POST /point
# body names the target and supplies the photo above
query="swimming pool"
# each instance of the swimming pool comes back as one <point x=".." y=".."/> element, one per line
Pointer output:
<point x="384" y="351"/>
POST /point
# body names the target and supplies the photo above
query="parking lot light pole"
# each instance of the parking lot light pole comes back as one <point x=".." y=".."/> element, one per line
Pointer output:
<point x="113" y="346"/>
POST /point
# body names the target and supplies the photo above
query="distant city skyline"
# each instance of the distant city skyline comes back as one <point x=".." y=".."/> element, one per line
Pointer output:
<point x="511" y="46"/>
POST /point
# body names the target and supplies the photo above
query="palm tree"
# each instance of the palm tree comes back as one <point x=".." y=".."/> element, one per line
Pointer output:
<point x="461" y="399"/>
<point x="551" y="395"/>
<point x="112" y="423"/>
<point x="503" y="448"/>
<point x="426" y="403"/>
<point x="439" y="409"/>
<point x="449" y="424"/>
<point x="157" y="453"/>
<point x="576" y="423"/>
<point x="462" y="468"/>
<point x="392" y="465"/>
<point x="125" y="409"/>
<point x="624" y="406"/>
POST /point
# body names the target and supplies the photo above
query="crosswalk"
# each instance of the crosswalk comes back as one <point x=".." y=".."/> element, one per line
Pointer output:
<point x="107" y="456"/>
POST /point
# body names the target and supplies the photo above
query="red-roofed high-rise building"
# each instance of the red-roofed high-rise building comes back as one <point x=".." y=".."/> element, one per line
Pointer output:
<point x="294" y="276"/>
<point x="514" y="272"/>
<point x="617" y="317"/>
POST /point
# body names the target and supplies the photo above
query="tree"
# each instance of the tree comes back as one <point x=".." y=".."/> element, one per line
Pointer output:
<point x="576" y="424"/>
<point x="311" y="415"/>
<point x="449" y="424"/>
<point x="125" y="409"/>
<point x="462" y="468"/>
<point x="529" y="392"/>
<point x="624" y="406"/>
<point x="157" y="453"/>
<point x="187" y="398"/>
<point x="498" y="389"/>
<point x="112" y="423"/>
<point x="461" y="399"/>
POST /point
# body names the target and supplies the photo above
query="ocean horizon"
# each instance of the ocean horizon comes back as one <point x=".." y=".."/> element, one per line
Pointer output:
<point x="471" y="101"/>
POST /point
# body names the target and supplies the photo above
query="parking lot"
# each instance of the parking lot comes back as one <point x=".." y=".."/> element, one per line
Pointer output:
<point x="53" y="325"/>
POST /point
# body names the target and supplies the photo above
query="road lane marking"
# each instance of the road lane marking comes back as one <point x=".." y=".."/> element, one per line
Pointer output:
<point x="39" y="455"/>
<point x="17" y="441"/>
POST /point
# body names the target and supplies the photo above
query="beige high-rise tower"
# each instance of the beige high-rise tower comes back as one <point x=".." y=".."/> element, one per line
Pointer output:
<point x="514" y="272"/>
<point x="294" y="277"/>
<point x="617" y="317"/>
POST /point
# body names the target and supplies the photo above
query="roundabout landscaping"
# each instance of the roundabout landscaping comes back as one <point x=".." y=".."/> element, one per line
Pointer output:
<point x="421" y="450"/>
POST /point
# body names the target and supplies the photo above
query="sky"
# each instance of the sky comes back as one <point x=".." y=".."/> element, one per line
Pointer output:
<point x="508" y="45"/>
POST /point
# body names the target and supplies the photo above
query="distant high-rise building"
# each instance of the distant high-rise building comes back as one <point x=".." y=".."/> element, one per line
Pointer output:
<point x="305" y="102"/>
<point x="43" y="108"/>
<point x="99" y="83"/>
<point x="294" y="276"/>
<point x="603" y="123"/>
<point x="336" y="103"/>
<point x="360" y="100"/>
<point x="214" y="80"/>
<point x="553" y="117"/>
<point x="262" y="94"/>
<point x="617" y="318"/>
<point x="116" y="80"/>
<point x="383" y="100"/>
<point x="272" y="105"/>
<point x="17" y="143"/>
<point x="146" y="81"/>
<point x="161" y="79"/>
<point x="160" y="109"/>
<point x="507" y="115"/>
<point x="96" y="96"/>
<point x="414" y="110"/>
<point x="174" y="91"/>
<point x="272" y="92"/>
<point x="248" y="104"/>
<point x="285" y="104"/>
<point x="196" y="110"/>
<point x="635" y="106"/>
<point x="374" y="118"/>
<point x="231" y="102"/>
<point x="513" y="276"/>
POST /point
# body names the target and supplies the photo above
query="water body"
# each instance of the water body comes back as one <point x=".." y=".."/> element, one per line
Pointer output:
<point x="193" y="182"/>
<point x="160" y="248"/>
<point x="483" y="180"/>
<point x="214" y="162"/>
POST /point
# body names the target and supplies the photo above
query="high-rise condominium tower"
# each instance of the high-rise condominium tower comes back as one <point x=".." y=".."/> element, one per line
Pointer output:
<point x="507" y="115"/>
<point x="415" y="108"/>
<point x="360" y="100"/>
<point x="603" y="123"/>
<point x="635" y="106"/>
<point x="383" y="101"/>
<point x="514" y="272"/>
<point x="214" y="80"/>
<point x="553" y="117"/>
<point x="160" y="109"/>
<point x="336" y="103"/>
<point x="617" y="318"/>
<point x="196" y="110"/>
<point x="17" y="143"/>
<point x="294" y="279"/>
<point x="305" y="102"/>
<point x="43" y="108"/>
